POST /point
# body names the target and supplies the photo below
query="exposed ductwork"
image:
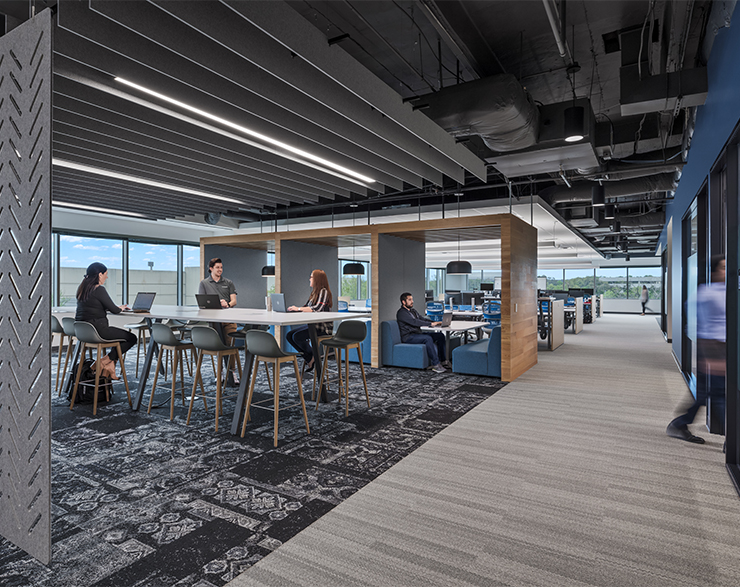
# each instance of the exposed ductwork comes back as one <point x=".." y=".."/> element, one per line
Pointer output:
<point x="496" y="108"/>
<point x="581" y="192"/>
<point x="637" y="223"/>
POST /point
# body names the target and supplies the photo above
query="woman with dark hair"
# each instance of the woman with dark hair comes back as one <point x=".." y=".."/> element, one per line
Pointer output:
<point x="93" y="302"/>
<point x="320" y="300"/>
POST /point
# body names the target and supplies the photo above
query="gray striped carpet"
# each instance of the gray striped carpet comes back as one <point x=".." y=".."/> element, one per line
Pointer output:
<point x="564" y="477"/>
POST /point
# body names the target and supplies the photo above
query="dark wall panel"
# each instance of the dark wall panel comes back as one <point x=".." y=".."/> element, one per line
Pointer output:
<point x="25" y="287"/>
<point x="244" y="268"/>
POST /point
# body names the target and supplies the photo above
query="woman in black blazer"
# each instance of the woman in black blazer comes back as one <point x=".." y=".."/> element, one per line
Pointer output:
<point x="93" y="303"/>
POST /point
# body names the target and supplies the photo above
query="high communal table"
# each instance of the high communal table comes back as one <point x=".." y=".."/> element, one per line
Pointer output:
<point x="455" y="326"/>
<point x="238" y="316"/>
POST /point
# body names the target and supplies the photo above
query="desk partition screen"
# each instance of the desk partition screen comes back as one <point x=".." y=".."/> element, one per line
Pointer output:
<point x="25" y="287"/>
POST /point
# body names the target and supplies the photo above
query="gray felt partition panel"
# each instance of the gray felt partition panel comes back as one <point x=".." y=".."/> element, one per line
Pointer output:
<point x="25" y="287"/>
<point x="400" y="268"/>
<point x="297" y="260"/>
<point x="244" y="268"/>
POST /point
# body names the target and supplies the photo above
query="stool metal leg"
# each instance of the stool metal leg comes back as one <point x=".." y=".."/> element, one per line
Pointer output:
<point x="156" y="376"/>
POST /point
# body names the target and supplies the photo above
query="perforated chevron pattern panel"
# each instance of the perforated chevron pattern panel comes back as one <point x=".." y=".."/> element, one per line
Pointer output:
<point x="25" y="286"/>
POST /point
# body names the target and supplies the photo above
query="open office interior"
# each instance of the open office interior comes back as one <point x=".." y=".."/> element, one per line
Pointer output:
<point x="496" y="158"/>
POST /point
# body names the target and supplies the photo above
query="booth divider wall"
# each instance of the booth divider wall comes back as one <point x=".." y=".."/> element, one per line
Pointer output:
<point x="398" y="263"/>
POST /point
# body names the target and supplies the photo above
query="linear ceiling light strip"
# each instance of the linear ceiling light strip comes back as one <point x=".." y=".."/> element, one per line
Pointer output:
<point x="112" y="174"/>
<point x="259" y="136"/>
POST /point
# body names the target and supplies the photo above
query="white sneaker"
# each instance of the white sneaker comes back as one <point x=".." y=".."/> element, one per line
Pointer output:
<point x="438" y="368"/>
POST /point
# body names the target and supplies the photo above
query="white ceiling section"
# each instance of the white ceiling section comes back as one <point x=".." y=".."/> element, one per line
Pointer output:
<point x="197" y="107"/>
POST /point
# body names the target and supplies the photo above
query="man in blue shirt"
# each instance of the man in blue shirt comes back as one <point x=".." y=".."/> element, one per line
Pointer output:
<point x="410" y="323"/>
<point x="711" y="354"/>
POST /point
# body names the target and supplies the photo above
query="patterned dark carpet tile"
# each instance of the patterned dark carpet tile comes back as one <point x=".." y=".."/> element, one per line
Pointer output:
<point x="139" y="501"/>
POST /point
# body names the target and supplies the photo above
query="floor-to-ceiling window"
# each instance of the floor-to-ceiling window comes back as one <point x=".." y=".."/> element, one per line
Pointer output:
<point x="555" y="278"/>
<point x="355" y="287"/>
<point x="190" y="274"/>
<point x="153" y="268"/>
<point x="76" y="253"/>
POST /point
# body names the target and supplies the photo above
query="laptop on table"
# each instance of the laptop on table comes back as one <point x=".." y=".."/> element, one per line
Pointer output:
<point x="209" y="301"/>
<point x="278" y="303"/>
<point x="142" y="303"/>
<point x="446" y="320"/>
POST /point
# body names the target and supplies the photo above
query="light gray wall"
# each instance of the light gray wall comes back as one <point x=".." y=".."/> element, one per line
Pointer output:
<point x="297" y="260"/>
<point x="244" y="268"/>
<point x="400" y="268"/>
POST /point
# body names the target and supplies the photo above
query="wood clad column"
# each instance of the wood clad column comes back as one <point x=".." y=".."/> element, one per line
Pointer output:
<point x="374" y="297"/>
<point x="518" y="297"/>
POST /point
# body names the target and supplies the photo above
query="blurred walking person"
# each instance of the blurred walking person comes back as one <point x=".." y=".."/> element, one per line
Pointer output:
<point x="711" y="355"/>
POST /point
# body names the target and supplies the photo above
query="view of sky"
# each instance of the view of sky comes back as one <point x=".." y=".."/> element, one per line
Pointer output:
<point x="77" y="251"/>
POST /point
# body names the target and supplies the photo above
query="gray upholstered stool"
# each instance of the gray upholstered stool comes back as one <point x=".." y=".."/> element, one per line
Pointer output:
<point x="88" y="336"/>
<point x="349" y="335"/>
<point x="265" y="348"/>
<point x="207" y="342"/>
<point x="167" y="341"/>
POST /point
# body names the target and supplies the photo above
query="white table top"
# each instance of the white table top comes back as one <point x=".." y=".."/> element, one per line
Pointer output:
<point x="238" y="315"/>
<point x="467" y="313"/>
<point x="455" y="326"/>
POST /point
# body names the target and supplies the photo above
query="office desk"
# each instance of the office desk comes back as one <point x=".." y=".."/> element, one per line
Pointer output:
<point x="455" y="326"/>
<point x="475" y="314"/>
<point x="238" y="316"/>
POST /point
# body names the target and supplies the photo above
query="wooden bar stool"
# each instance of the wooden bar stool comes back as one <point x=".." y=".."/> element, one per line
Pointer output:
<point x="167" y="341"/>
<point x="207" y="342"/>
<point x="241" y="334"/>
<point x="88" y="336"/>
<point x="349" y="335"/>
<point x="68" y="325"/>
<point x="139" y="328"/>
<point x="57" y="328"/>
<point x="265" y="348"/>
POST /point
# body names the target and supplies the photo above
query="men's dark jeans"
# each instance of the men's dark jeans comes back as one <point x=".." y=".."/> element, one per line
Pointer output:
<point x="434" y="341"/>
<point x="716" y="390"/>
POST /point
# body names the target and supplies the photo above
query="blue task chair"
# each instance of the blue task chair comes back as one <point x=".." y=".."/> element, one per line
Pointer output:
<point x="435" y="310"/>
<point x="492" y="313"/>
<point x="342" y="306"/>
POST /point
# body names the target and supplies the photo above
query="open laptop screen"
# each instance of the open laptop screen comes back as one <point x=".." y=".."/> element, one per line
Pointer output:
<point x="143" y="301"/>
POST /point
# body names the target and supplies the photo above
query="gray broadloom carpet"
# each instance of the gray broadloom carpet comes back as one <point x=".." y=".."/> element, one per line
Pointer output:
<point x="563" y="478"/>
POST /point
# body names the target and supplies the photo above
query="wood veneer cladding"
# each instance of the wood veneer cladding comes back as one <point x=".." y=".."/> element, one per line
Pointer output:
<point x="374" y="295"/>
<point x="518" y="298"/>
<point x="467" y="227"/>
<point x="518" y="260"/>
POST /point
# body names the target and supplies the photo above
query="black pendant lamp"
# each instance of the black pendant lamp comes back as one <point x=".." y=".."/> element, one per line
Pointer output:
<point x="609" y="212"/>
<point x="353" y="269"/>
<point x="459" y="267"/>
<point x="573" y="124"/>
<point x="268" y="271"/>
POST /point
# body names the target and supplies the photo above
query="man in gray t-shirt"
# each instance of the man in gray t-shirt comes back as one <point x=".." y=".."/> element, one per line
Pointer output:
<point x="217" y="284"/>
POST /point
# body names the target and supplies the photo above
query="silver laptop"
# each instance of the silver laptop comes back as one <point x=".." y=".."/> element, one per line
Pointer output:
<point x="446" y="319"/>
<point x="142" y="303"/>
<point x="278" y="302"/>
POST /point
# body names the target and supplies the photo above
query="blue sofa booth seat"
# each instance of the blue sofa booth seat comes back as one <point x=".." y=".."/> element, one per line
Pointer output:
<point x="395" y="353"/>
<point x="400" y="354"/>
<point x="479" y="358"/>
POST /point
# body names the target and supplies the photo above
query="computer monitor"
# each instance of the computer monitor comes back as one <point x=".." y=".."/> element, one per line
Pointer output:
<point x="428" y="295"/>
<point x="452" y="297"/>
<point x="471" y="298"/>
<point x="486" y="287"/>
